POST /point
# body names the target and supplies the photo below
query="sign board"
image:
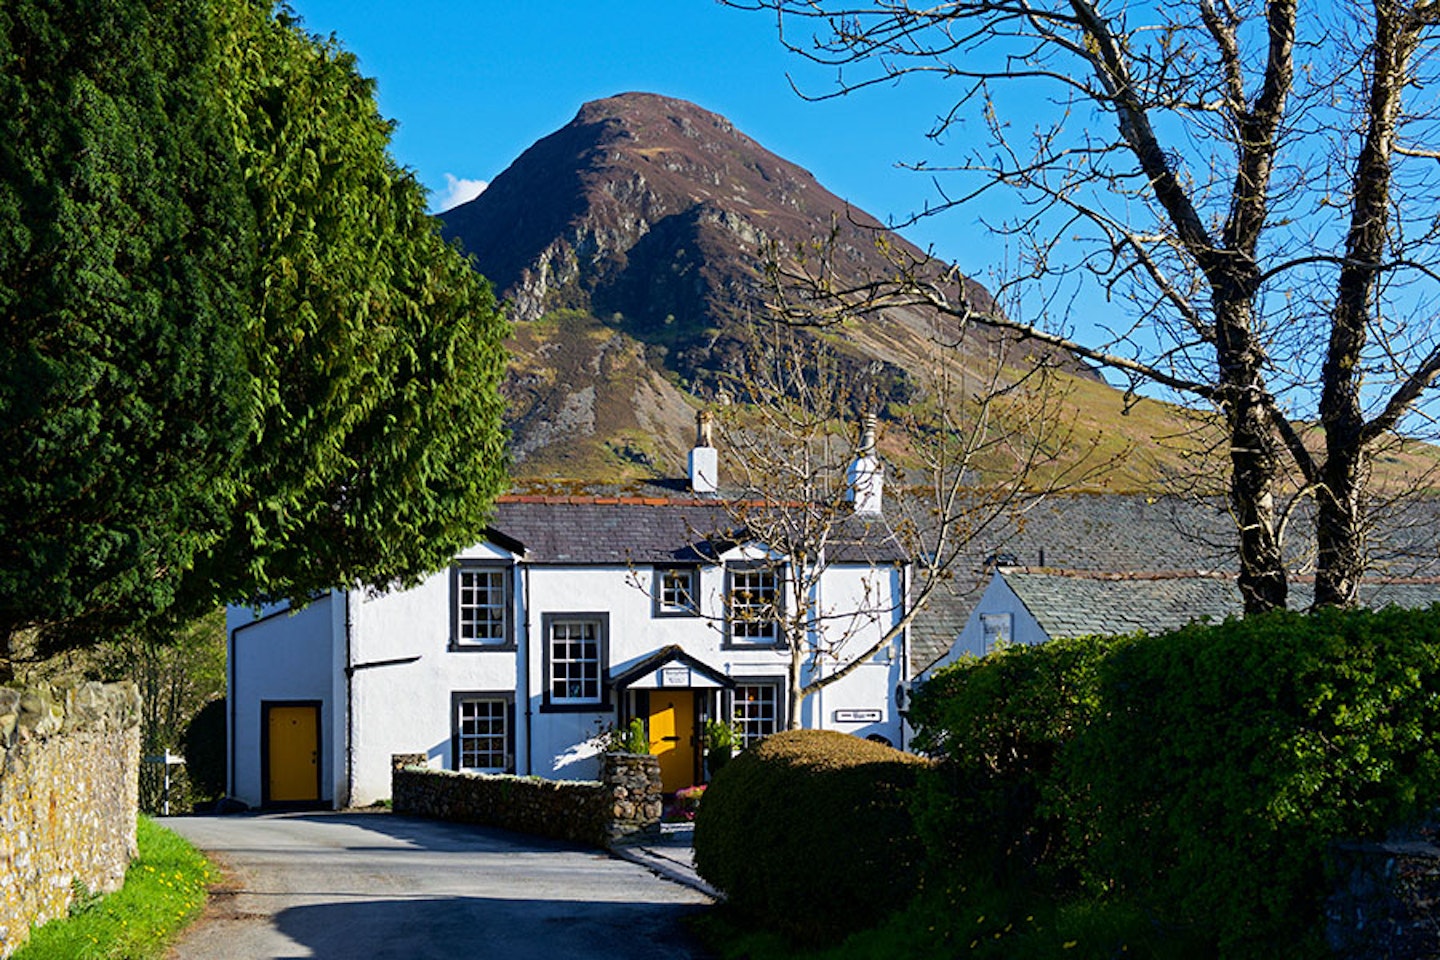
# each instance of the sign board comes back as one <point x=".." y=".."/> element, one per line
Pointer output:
<point x="858" y="716"/>
<point x="675" y="676"/>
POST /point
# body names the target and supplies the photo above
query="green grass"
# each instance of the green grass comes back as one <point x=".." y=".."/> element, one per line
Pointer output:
<point x="164" y="891"/>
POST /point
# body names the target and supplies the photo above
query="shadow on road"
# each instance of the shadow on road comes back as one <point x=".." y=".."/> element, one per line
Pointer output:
<point x="440" y="835"/>
<point x="479" y="927"/>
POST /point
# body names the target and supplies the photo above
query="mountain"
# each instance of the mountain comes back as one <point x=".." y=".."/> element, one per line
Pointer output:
<point x="631" y="244"/>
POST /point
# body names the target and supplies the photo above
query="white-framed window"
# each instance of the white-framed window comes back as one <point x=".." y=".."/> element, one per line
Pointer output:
<point x="996" y="630"/>
<point x="756" y="710"/>
<point x="676" y="590"/>
<point x="483" y="738"/>
<point x="481" y="605"/>
<point x="574" y="658"/>
<point x="752" y="604"/>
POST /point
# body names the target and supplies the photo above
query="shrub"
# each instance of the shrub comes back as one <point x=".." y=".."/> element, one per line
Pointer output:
<point x="204" y="749"/>
<point x="991" y="807"/>
<point x="808" y="833"/>
<point x="1231" y="756"/>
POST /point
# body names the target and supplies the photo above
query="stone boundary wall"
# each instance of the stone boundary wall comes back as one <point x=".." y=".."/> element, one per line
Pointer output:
<point x="624" y="805"/>
<point x="1385" y="900"/>
<point x="69" y="775"/>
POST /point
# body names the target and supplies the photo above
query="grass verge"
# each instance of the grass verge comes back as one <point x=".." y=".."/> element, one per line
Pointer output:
<point x="164" y="891"/>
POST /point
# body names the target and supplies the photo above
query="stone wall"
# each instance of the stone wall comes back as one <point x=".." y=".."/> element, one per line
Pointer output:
<point x="69" y="768"/>
<point x="1386" y="897"/>
<point x="623" y="805"/>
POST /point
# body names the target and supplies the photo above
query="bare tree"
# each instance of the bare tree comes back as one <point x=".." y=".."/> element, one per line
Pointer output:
<point x="808" y="494"/>
<point x="1251" y="189"/>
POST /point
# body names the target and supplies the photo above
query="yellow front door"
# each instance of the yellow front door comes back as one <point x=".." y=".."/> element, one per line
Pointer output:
<point x="672" y="736"/>
<point x="293" y="738"/>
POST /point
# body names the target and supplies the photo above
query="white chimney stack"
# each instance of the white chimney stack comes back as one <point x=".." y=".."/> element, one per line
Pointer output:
<point x="704" y="461"/>
<point x="866" y="476"/>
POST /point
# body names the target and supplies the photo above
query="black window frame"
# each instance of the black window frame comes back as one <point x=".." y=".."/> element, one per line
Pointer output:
<point x="777" y="684"/>
<point x="659" y="608"/>
<point x="507" y="580"/>
<point x="777" y="570"/>
<point x="548" y="703"/>
<point x="458" y="697"/>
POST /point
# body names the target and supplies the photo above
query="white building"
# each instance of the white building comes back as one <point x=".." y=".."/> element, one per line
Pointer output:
<point x="575" y="614"/>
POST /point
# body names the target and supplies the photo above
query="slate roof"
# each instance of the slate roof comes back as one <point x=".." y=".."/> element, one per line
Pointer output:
<point x="1160" y="538"/>
<point x="622" y="530"/>
<point x="1079" y="604"/>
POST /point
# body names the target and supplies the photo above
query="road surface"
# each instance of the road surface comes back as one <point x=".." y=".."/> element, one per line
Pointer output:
<point x="351" y="886"/>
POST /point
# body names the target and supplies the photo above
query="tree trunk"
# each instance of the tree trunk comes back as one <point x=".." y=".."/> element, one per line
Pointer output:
<point x="1339" y="534"/>
<point x="1254" y="459"/>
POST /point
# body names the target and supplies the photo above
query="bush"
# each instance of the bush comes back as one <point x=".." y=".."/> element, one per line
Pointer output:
<point x="808" y="833"/>
<point x="204" y="749"/>
<point x="1231" y="756"/>
<point x="991" y="807"/>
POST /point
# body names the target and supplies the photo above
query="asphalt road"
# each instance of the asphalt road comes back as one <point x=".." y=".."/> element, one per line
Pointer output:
<point x="351" y="886"/>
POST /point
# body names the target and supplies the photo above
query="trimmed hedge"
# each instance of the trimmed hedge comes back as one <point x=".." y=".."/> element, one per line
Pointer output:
<point x="1199" y="776"/>
<point x="1232" y="756"/>
<point x="808" y="833"/>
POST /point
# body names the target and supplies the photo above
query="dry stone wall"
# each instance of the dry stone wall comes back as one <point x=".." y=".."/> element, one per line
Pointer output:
<point x="624" y="805"/>
<point x="69" y="772"/>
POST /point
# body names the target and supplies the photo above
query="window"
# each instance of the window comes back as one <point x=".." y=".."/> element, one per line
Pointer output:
<point x="675" y="591"/>
<point x="574" y="653"/>
<point x="996" y="630"/>
<point x="753" y="601"/>
<point x="757" y="711"/>
<point x="483" y="738"/>
<point x="481" y="601"/>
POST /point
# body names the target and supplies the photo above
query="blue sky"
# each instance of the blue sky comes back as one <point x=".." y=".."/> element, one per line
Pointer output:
<point x="472" y="84"/>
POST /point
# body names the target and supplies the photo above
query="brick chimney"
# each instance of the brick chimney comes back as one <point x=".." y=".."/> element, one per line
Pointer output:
<point x="866" y="477"/>
<point x="704" y="461"/>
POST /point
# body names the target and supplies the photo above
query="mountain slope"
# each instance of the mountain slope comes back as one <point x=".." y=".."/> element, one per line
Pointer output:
<point x="631" y="244"/>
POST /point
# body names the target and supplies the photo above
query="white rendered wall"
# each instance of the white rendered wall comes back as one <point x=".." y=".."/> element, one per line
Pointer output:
<point x="998" y="598"/>
<point x="403" y="673"/>
<point x="278" y="655"/>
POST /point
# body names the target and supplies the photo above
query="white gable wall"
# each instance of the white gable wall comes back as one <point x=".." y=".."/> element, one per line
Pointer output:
<point x="277" y="656"/>
<point x="1000" y="599"/>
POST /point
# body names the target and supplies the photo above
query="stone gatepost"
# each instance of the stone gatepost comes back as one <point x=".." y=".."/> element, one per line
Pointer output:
<point x="633" y="787"/>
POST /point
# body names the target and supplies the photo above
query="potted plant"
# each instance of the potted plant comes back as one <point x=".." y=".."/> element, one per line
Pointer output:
<point x="721" y="739"/>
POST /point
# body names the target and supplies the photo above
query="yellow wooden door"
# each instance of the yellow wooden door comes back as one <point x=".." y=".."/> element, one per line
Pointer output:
<point x="672" y="736"/>
<point x="294" y="745"/>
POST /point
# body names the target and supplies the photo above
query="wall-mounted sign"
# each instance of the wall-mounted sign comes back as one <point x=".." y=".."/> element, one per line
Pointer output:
<point x="674" y="676"/>
<point x="858" y="716"/>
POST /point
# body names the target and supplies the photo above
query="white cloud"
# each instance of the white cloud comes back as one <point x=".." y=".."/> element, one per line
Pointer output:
<point x="458" y="191"/>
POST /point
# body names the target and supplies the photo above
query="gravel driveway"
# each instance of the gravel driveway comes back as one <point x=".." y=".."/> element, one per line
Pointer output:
<point x="346" y="886"/>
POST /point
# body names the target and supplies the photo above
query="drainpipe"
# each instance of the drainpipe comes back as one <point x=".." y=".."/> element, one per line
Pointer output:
<point x="233" y="699"/>
<point x="524" y="574"/>
<point x="349" y="707"/>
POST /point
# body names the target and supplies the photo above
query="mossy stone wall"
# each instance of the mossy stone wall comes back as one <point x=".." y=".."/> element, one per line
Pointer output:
<point x="69" y="775"/>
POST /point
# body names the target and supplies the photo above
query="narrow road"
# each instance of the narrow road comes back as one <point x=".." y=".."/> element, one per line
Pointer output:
<point x="353" y="886"/>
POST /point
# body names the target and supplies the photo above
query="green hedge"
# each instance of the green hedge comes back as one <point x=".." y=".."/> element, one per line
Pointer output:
<point x="991" y="806"/>
<point x="1231" y="756"/>
<point x="1198" y="776"/>
<point x="808" y="833"/>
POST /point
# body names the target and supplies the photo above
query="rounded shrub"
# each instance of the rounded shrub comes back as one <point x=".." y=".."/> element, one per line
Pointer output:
<point x="808" y="833"/>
